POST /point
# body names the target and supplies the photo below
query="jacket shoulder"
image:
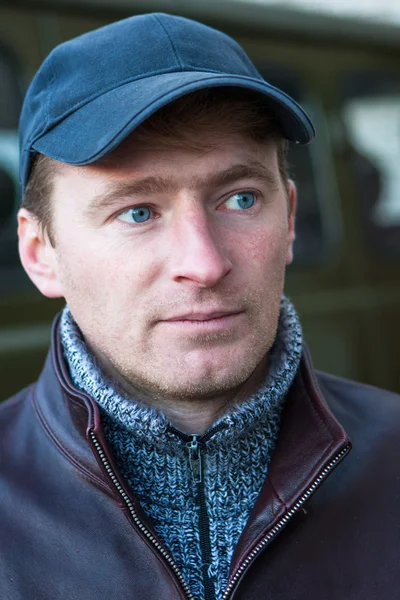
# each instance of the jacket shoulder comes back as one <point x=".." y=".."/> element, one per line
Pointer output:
<point x="360" y="406"/>
<point x="13" y="404"/>
<point x="15" y="415"/>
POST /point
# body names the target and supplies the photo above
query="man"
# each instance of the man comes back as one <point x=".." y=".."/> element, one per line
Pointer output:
<point x="179" y="443"/>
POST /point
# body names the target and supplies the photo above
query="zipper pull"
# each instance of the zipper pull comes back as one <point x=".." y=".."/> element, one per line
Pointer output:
<point x="195" y="458"/>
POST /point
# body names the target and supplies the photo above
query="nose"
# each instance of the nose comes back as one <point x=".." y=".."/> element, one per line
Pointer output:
<point x="198" y="253"/>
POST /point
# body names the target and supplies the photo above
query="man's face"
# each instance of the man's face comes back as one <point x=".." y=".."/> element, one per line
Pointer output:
<point x="172" y="262"/>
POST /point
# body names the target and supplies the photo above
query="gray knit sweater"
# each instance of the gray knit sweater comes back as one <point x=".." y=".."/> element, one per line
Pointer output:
<point x="154" y="458"/>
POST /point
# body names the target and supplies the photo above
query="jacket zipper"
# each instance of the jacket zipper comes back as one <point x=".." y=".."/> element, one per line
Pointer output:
<point x="135" y="517"/>
<point x="195" y="443"/>
<point x="256" y="550"/>
<point x="195" y="460"/>
<point x="275" y="530"/>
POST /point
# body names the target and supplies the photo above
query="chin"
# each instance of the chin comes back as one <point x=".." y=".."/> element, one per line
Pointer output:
<point x="202" y="385"/>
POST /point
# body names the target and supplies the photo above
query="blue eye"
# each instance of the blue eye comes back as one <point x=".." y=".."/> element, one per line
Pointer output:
<point x="137" y="214"/>
<point x="241" y="200"/>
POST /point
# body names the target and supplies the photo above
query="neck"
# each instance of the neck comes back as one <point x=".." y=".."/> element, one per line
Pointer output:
<point x="193" y="416"/>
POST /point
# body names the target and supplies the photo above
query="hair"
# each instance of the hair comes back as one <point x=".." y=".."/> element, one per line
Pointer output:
<point x="212" y="112"/>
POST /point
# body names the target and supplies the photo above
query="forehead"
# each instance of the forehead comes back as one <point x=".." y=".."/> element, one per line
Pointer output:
<point x="201" y="138"/>
<point x="213" y="151"/>
<point x="145" y="170"/>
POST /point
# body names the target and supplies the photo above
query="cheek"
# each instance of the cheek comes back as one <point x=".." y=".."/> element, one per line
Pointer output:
<point x="104" y="275"/>
<point x="265" y="248"/>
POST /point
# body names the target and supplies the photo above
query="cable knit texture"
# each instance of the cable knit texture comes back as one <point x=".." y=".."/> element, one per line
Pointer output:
<point x="154" y="458"/>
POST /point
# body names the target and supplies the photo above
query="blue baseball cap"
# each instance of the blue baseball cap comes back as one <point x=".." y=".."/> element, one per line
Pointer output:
<point x="94" y="90"/>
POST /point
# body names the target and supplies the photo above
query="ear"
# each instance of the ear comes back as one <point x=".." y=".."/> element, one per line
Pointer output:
<point x="37" y="254"/>
<point x="292" y="204"/>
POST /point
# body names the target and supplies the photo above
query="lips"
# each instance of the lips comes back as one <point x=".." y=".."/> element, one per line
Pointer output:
<point x="204" y="316"/>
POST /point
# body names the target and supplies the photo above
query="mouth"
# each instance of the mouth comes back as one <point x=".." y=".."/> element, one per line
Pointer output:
<point x="204" y="316"/>
<point x="213" y="322"/>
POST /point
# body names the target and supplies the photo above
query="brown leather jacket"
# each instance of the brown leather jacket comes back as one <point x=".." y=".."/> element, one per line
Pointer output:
<point x="71" y="529"/>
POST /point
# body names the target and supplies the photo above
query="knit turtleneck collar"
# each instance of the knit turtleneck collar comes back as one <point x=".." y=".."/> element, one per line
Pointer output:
<point x="140" y="420"/>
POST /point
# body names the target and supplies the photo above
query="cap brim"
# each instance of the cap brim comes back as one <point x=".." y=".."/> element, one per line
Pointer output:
<point x="99" y="126"/>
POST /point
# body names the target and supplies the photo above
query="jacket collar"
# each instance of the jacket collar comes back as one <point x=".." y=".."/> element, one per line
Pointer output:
<point x="311" y="440"/>
<point x="311" y="444"/>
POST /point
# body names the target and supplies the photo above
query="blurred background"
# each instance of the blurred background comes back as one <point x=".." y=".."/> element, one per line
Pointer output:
<point x="341" y="60"/>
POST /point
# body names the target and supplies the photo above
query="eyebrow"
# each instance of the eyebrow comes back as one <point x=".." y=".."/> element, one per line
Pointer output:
<point x="152" y="185"/>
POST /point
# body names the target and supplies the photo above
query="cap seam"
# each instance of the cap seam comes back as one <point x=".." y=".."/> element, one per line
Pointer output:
<point x="170" y="41"/>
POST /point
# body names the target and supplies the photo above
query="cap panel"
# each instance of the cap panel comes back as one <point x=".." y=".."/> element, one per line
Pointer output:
<point x="203" y="48"/>
<point x="102" y="59"/>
